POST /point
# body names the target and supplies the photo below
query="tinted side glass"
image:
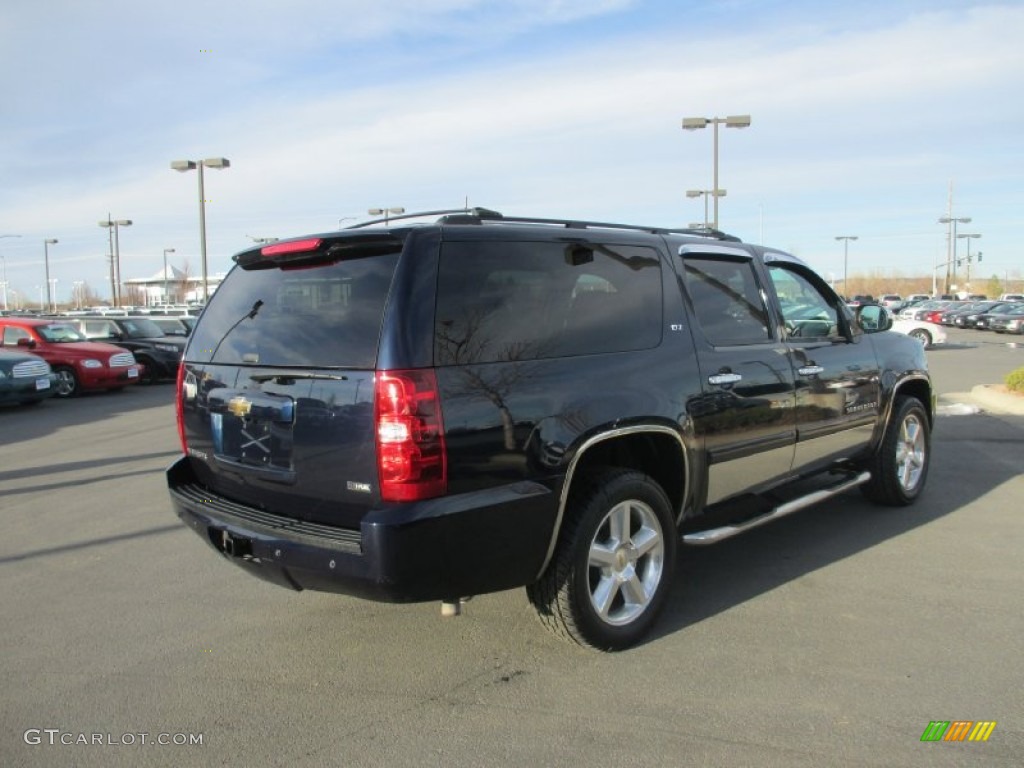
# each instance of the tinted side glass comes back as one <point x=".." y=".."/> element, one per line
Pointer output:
<point x="320" y="316"/>
<point x="502" y="301"/>
<point x="726" y="299"/>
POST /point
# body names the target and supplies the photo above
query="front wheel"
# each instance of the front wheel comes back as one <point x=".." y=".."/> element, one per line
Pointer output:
<point x="922" y="336"/>
<point x="67" y="382"/>
<point x="613" y="567"/>
<point x="900" y="464"/>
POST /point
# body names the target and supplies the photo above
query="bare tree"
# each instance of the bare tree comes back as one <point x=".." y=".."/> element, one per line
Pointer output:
<point x="469" y="346"/>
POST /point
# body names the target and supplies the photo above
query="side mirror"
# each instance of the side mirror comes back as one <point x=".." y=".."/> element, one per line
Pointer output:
<point x="25" y="341"/>
<point x="873" y="318"/>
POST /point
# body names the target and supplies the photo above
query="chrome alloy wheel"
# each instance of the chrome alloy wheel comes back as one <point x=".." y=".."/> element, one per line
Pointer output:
<point x="625" y="562"/>
<point x="910" y="453"/>
<point x="66" y="383"/>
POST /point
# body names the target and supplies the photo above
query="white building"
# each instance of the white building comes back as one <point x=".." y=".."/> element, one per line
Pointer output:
<point x="174" y="287"/>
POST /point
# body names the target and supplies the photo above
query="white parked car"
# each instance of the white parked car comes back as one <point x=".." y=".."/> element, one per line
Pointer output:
<point x="929" y="334"/>
<point x="890" y="300"/>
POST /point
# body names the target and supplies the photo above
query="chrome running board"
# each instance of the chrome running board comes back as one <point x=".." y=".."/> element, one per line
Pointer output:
<point x="714" y="535"/>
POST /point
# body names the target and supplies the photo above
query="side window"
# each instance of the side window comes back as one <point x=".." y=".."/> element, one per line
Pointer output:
<point x="510" y="301"/>
<point x="808" y="314"/>
<point x="12" y="334"/>
<point x="726" y="299"/>
<point x="98" y="329"/>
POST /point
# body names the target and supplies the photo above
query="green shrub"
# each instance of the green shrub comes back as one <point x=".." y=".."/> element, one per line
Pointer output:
<point x="1015" y="381"/>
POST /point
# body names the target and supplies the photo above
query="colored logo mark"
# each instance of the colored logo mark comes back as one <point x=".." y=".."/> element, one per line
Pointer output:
<point x="958" y="730"/>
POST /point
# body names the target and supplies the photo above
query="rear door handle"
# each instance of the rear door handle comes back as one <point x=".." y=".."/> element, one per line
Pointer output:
<point x="810" y="370"/>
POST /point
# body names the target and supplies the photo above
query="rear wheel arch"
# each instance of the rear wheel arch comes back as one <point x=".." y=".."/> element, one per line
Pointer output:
<point x="658" y="451"/>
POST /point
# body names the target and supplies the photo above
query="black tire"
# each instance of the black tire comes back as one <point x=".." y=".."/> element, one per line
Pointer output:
<point x="149" y="375"/>
<point x="618" y="548"/>
<point x="922" y="336"/>
<point x="67" y="382"/>
<point x="899" y="466"/>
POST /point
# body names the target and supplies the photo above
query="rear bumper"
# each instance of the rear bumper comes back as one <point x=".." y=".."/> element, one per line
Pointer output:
<point x="440" y="549"/>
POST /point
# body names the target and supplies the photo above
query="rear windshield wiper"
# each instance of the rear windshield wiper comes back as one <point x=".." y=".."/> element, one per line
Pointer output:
<point x="285" y="378"/>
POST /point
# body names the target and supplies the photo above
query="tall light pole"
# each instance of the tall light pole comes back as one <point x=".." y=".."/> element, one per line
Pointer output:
<point x="385" y="212"/>
<point x="3" y="277"/>
<point x="76" y="289"/>
<point x="112" y="226"/>
<point x="696" y="123"/>
<point x="705" y="193"/>
<point x="846" y="259"/>
<point x="968" y="238"/>
<point x="197" y="165"/>
<point x="46" y="258"/>
<point x="166" y="251"/>
<point x="952" y="221"/>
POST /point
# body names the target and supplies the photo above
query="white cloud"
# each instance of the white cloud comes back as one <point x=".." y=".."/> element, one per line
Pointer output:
<point x="853" y="127"/>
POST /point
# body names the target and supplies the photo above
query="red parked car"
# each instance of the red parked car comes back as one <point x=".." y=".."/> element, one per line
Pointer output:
<point x="79" y="364"/>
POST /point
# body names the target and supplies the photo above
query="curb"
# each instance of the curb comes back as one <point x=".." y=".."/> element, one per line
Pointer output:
<point x="989" y="398"/>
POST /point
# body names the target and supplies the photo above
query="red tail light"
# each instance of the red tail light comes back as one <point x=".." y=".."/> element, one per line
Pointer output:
<point x="411" y="456"/>
<point x="179" y="407"/>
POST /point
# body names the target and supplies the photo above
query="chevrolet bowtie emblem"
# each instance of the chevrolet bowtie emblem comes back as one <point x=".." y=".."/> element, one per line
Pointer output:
<point x="239" y="406"/>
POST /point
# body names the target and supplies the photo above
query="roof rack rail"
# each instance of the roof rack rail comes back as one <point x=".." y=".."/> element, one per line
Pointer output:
<point x="470" y="214"/>
<point x="481" y="215"/>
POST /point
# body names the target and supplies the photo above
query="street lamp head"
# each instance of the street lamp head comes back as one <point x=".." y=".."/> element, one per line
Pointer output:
<point x="382" y="211"/>
<point x="961" y="236"/>
<point x="694" y="123"/>
<point x="846" y="237"/>
<point x="951" y="219"/>
<point x="50" y="240"/>
<point x="694" y="192"/>
<point x="217" y="162"/>
<point x="123" y="222"/>
<point x="737" y="121"/>
<point x="183" y="165"/>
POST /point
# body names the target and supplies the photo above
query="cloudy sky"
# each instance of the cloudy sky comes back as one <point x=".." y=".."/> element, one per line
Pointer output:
<point x="863" y="116"/>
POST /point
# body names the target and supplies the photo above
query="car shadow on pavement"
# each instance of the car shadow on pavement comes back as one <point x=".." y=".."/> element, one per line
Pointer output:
<point x="713" y="579"/>
<point x="26" y="423"/>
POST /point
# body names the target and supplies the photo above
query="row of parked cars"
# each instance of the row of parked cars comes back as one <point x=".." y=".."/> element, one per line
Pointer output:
<point x="992" y="315"/>
<point x="62" y="356"/>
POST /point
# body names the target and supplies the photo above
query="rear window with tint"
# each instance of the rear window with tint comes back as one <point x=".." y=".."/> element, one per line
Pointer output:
<point x="314" y="316"/>
<point x="508" y="301"/>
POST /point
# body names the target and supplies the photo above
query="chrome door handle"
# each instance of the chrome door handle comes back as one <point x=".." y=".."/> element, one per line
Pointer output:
<point x="810" y="370"/>
<point x="724" y="378"/>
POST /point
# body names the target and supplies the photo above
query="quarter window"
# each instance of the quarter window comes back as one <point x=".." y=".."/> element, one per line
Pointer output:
<point x="503" y="302"/>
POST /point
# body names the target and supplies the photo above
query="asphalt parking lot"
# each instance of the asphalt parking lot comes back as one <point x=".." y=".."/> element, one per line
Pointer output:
<point x="832" y="637"/>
